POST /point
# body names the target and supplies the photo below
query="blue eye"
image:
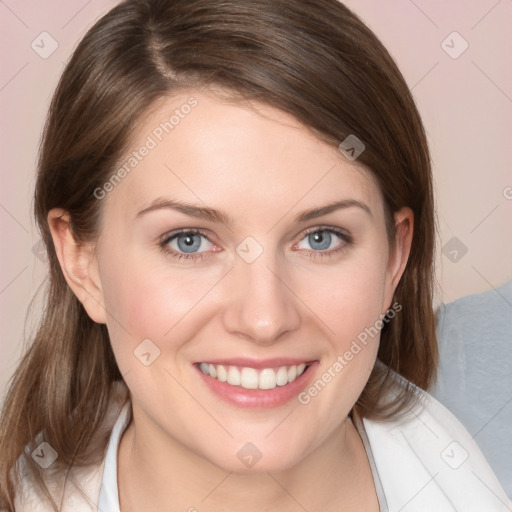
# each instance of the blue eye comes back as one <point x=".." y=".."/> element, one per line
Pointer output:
<point x="194" y="245"/>
<point x="320" y="240"/>
<point x="186" y="244"/>
<point x="325" y="240"/>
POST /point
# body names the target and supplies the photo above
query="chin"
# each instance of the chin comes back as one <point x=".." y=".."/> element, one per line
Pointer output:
<point x="245" y="457"/>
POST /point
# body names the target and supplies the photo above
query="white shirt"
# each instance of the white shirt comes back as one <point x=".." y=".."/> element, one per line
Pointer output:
<point x="109" y="494"/>
<point x="424" y="462"/>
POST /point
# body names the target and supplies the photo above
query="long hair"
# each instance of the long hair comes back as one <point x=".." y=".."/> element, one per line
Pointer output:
<point x="313" y="59"/>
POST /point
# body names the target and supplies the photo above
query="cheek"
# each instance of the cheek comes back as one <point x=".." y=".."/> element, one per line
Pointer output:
<point x="148" y="301"/>
<point x="350" y="298"/>
<point x="350" y="303"/>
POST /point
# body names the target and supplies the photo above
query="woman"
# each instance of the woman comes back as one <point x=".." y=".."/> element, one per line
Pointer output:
<point x="236" y="201"/>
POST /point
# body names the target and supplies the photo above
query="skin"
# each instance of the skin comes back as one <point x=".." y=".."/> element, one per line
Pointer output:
<point x="262" y="168"/>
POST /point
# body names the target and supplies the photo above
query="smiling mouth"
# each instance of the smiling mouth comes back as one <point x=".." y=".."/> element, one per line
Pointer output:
<point x="252" y="378"/>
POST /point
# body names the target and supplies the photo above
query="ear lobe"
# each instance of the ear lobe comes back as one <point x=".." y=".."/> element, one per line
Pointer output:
<point x="399" y="253"/>
<point x="78" y="264"/>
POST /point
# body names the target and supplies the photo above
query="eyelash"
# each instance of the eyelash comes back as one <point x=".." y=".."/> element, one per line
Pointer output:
<point x="346" y="241"/>
<point x="343" y="235"/>
<point x="180" y="255"/>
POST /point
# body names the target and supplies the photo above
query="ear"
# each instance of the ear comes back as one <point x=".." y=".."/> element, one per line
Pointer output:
<point x="399" y="252"/>
<point x="78" y="264"/>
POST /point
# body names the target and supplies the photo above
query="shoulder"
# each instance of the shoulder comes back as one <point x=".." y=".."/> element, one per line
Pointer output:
<point x="75" y="490"/>
<point x="477" y="312"/>
<point x="427" y="460"/>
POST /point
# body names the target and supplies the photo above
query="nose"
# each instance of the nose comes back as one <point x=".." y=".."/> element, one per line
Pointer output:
<point x="262" y="307"/>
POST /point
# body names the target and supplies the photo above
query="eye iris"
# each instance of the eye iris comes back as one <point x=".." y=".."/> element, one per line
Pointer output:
<point x="189" y="242"/>
<point x="320" y="240"/>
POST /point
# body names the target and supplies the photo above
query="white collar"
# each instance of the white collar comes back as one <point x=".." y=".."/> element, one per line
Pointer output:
<point x="109" y="492"/>
<point x="109" y="495"/>
<point x="422" y="462"/>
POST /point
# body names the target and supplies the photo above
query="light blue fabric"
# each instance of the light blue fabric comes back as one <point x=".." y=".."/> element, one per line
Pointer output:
<point x="475" y="377"/>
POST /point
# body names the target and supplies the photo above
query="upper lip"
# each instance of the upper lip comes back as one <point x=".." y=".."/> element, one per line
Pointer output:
<point x="259" y="363"/>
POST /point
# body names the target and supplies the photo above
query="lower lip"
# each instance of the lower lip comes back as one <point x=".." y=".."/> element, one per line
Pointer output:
<point x="259" y="398"/>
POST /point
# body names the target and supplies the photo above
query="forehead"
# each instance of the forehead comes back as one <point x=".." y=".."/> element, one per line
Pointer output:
<point x="245" y="157"/>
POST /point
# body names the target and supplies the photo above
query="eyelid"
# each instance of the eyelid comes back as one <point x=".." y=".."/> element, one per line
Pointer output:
<point x="346" y="241"/>
<point x="164" y="241"/>
<point x="184" y="231"/>
<point x="342" y="233"/>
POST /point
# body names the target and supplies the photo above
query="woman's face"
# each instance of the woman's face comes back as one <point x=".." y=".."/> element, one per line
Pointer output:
<point x="266" y="281"/>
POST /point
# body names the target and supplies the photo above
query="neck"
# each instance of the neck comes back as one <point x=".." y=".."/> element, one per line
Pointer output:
<point x="155" y="472"/>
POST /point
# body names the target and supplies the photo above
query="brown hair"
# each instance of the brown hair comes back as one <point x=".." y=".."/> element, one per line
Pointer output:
<point x="311" y="58"/>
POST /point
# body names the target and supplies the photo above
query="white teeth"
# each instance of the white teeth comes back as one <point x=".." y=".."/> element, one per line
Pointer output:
<point x="282" y="376"/>
<point x="212" y="371"/>
<point x="250" y="378"/>
<point x="233" y="376"/>
<point x="222" y="374"/>
<point x="267" y="379"/>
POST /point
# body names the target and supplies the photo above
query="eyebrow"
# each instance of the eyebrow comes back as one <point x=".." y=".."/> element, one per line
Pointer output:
<point x="219" y="216"/>
<point x="324" y="210"/>
<point x="201" y="212"/>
